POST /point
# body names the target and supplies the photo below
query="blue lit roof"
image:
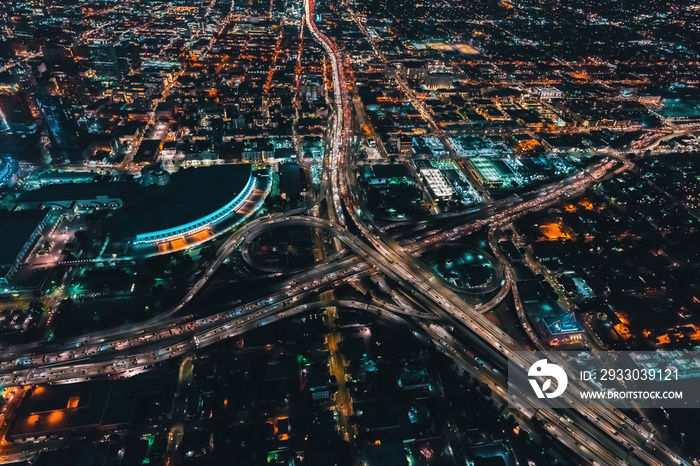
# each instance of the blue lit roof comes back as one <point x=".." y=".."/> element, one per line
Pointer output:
<point x="562" y="324"/>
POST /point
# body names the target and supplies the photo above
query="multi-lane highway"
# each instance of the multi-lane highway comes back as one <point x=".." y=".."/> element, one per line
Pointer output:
<point x="397" y="263"/>
<point x="337" y="130"/>
<point x="36" y="354"/>
<point x="153" y="348"/>
<point x="607" y="435"/>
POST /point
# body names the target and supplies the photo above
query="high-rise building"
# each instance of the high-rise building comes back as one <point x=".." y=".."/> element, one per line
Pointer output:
<point x="104" y="60"/>
<point x="62" y="128"/>
<point x="15" y="117"/>
<point x="9" y="172"/>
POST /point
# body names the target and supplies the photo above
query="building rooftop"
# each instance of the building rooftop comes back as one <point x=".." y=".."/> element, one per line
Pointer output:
<point x="56" y="409"/>
<point x="397" y="170"/>
<point x="16" y="228"/>
<point x="437" y="182"/>
<point x="562" y="324"/>
<point x="486" y="168"/>
<point x="190" y="195"/>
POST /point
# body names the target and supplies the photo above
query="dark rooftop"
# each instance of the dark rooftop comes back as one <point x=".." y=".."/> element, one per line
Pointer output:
<point x="15" y="229"/>
<point x="397" y="170"/>
<point x="190" y="195"/>
<point x="63" y="408"/>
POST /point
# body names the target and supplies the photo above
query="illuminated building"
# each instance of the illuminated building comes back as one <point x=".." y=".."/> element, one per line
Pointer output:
<point x="561" y="330"/>
<point x="14" y="114"/>
<point x="485" y="172"/>
<point x="404" y="145"/>
<point x="154" y="174"/>
<point x="243" y="184"/>
<point x="439" y="77"/>
<point x="312" y="88"/>
<point x="548" y="93"/>
<point x="192" y="201"/>
<point x="413" y="70"/>
<point x="9" y="169"/>
<point x="104" y="60"/>
<point x="60" y="125"/>
<point x="438" y="184"/>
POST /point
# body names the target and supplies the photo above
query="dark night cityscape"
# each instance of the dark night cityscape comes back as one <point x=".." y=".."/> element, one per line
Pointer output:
<point x="349" y="232"/>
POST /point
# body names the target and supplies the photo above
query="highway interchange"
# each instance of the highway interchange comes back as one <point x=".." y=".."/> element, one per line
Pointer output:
<point x="602" y="436"/>
<point x="637" y="444"/>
